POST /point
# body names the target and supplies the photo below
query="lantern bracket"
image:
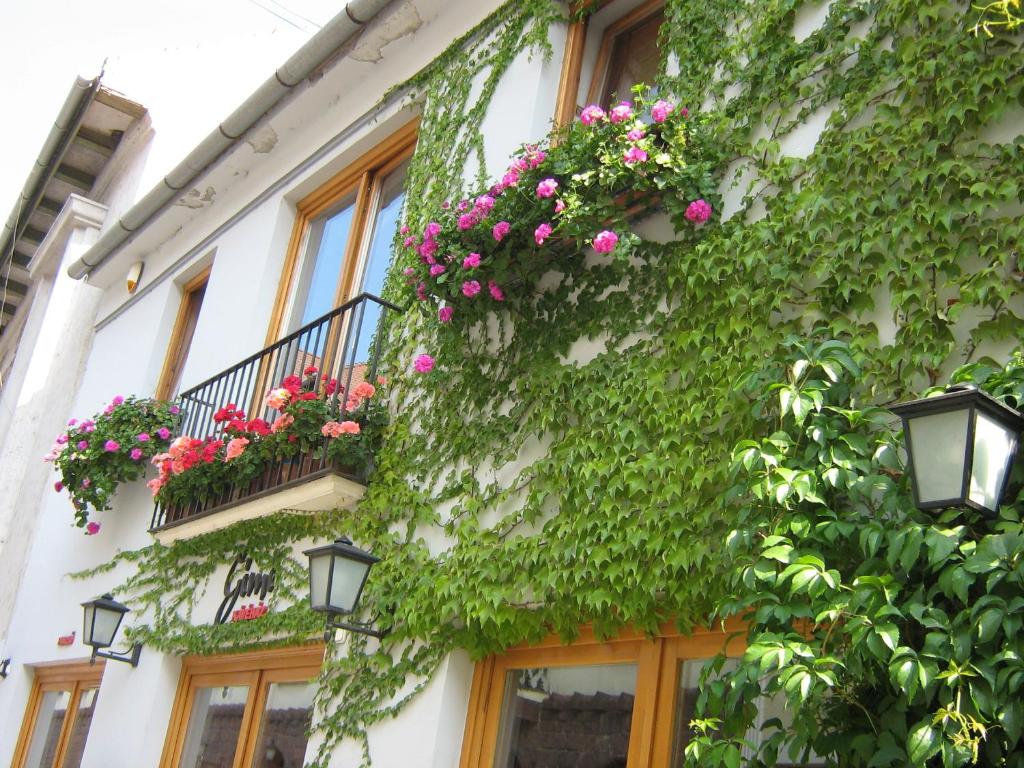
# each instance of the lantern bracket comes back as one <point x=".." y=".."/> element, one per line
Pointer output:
<point x="352" y="626"/>
<point x="128" y="657"/>
<point x="4" y="667"/>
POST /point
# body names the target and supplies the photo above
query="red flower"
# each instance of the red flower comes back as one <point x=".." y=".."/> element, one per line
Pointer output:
<point x="293" y="384"/>
<point x="306" y="396"/>
<point x="292" y="438"/>
<point x="331" y="387"/>
<point x="259" y="427"/>
<point x="310" y="370"/>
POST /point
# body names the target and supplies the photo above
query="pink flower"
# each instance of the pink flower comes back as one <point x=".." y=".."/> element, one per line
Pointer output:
<point x="591" y="114"/>
<point x="142" y="437"/>
<point x="88" y="425"/>
<point x="236" y="448"/>
<point x="510" y="179"/>
<point x="409" y="242"/>
<point x="155" y="485"/>
<point x="444" y="314"/>
<point x="547" y="188"/>
<point x="278" y="398"/>
<point x="282" y="422"/>
<point x="621" y="113"/>
<point x="472" y="261"/>
<point x="92" y="529"/>
<point x="437" y="269"/>
<point x="470" y="288"/>
<point x="541" y="233"/>
<point x="698" y="211"/>
<point x="163" y="433"/>
<point x="634" y="155"/>
<point x="421" y="292"/>
<point x="433" y="229"/>
<point x="86" y="482"/>
<point x="174" y="410"/>
<point x="111" y="446"/>
<point x="83" y="444"/>
<point x="496" y="292"/>
<point x="118" y="399"/>
<point x="536" y="156"/>
<point x="61" y="439"/>
<point x="484" y="203"/>
<point x="605" y="241"/>
<point x="446" y="204"/>
<point x="427" y="249"/>
<point x="404" y="230"/>
<point x="58" y="486"/>
<point x="500" y="229"/>
<point x="684" y="112"/>
<point x="135" y="453"/>
<point x="331" y="429"/>
<point x="349" y="428"/>
<point x="636" y="134"/>
<point x="72" y="422"/>
<point x="463" y="205"/>
<point x="408" y="271"/>
<point x="364" y="389"/>
<point x="467" y="221"/>
<point x="661" y="110"/>
<point x="423" y="364"/>
<point x="559" y="206"/>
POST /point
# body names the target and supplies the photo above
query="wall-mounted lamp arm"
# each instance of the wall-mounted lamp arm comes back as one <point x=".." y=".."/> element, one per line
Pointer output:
<point x="129" y="657"/>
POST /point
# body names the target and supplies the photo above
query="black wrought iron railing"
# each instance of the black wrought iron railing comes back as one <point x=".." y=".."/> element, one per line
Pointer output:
<point x="343" y="345"/>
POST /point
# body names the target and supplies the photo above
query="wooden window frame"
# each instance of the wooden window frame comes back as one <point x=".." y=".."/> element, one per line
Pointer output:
<point x="177" y="350"/>
<point x="575" y="45"/>
<point x="256" y="669"/>
<point x="363" y="178"/>
<point x="658" y="663"/>
<point x="74" y="677"/>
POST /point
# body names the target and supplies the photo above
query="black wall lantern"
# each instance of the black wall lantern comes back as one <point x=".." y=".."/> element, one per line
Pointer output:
<point x="4" y="665"/>
<point x="337" y="574"/>
<point x="961" y="446"/>
<point x="102" y="620"/>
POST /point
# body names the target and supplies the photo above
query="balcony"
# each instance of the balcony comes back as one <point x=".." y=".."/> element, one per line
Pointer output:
<point x="343" y="347"/>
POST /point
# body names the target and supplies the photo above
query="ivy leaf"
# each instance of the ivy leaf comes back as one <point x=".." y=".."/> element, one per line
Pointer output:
<point x="922" y="743"/>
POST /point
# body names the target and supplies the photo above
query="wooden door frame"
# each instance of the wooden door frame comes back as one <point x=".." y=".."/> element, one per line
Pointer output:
<point x="73" y="677"/>
<point x="255" y="669"/>
<point x="657" y="659"/>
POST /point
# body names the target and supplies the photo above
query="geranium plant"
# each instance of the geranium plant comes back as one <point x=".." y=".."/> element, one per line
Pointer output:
<point x="578" y="189"/>
<point x="94" y="456"/>
<point x="315" y="418"/>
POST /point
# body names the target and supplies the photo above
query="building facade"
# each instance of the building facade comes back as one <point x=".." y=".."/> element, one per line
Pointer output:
<point x="546" y="498"/>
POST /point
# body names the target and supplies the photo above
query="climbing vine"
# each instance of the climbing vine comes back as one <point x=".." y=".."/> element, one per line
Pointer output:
<point x="573" y="453"/>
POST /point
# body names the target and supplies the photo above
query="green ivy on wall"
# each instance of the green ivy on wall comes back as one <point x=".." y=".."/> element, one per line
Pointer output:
<point x="576" y="486"/>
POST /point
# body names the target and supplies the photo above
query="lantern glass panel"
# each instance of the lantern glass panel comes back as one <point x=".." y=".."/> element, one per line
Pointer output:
<point x="938" y="442"/>
<point x="347" y="584"/>
<point x="101" y="625"/>
<point x="319" y="570"/>
<point x="993" y="444"/>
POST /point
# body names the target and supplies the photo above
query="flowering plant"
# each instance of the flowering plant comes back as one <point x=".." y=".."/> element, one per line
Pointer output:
<point x="315" y="417"/>
<point x="558" y="198"/>
<point x="96" y="455"/>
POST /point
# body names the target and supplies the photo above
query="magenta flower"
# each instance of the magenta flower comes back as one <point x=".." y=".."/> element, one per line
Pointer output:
<point x="409" y="242"/>
<point x="423" y="364"/>
<point x="88" y="425"/>
<point x="58" y="486"/>
<point x="111" y="446"/>
<point x="698" y="211"/>
<point x="500" y="229"/>
<point x="83" y="444"/>
<point x="636" y="134"/>
<point x="621" y="113"/>
<point x="446" y="204"/>
<point x="421" y="292"/>
<point x="496" y="293"/>
<point x="72" y="422"/>
<point x="484" y="203"/>
<point x="135" y="453"/>
<point x="472" y="261"/>
<point x="427" y="249"/>
<point x="61" y="439"/>
<point x="467" y="221"/>
<point x="174" y="410"/>
<point x="661" y="110"/>
<point x="92" y="529"/>
<point x="470" y="288"/>
<point x="510" y="179"/>
<point x="163" y="433"/>
<point x="142" y="437"/>
<point x="536" y="156"/>
<point x="605" y="241"/>
<point x="404" y="230"/>
<point x="444" y="314"/>
<point x="463" y="205"/>
<point x="118" y="399"/>
<point x="591" y="114"/>
<point x="684" y="112"/>
<point x="437" y="269"/>
<point x="433" y="229"/>
<point x="408" y="271"/>
<point x="86" y="482"/>
<point x="559" y="206"/>
<point x="634" y="155"/>
<point x="541" y="233"/>
<point x="547" y="188"/>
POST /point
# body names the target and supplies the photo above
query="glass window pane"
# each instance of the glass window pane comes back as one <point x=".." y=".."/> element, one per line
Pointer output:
<point x="284" y="727"/>
<point x="567" y="716"/>
<point x="80" y="730"/>
<point x="992" y="446"/>
<point x="634" y="59"/>
<point x="213" y="727"/>
<point x="53" y="707"/>
<point x="317" y="287"/>
<point x="378" y="253"/>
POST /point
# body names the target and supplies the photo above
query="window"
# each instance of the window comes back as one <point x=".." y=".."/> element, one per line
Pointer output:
<point x="58" y="716"/>
<point x="341" y="241"/>
<point x="192" y="294"/>
<point x="248" y="710"/>
<point x="607" y="53"/>
<point x="623" y="703"/>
